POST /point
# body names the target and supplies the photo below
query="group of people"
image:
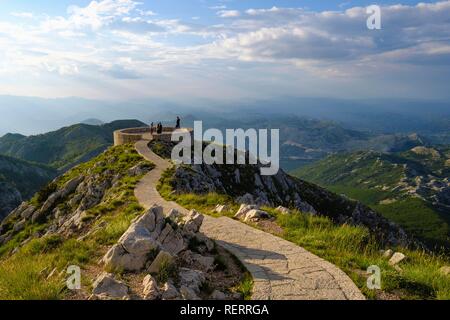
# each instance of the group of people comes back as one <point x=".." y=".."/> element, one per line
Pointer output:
<point x="159" y="126"/>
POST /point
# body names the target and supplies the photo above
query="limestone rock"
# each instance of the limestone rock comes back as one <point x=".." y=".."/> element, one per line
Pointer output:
<point x="163" y="258"/>
<point x="206" y="263"/>
<point x="169" y="292"/>
<point x="244" y="209"/>
<point x="137" y="240"/>
<point x="19" y="226"/>
<point x="218" y="295"/>
<point x="256" y="215"/>
<point x="150" y="291"/>
<point x="205" y="240"/>
<point x="282" y="210"/>
<point x="171" y="241"/>
<point x="117" y="258"/>
<point x="71" y="186"/>
<point x="192" y="279"/>
<point x="397" y="258"/>
<point x="110" y="287"/>
<point x="28" y="212"/>
<point x="188" y="293"/>
<point x="220" y="208"/>
<point x="174" y="215"/>
<point x="388" y="253"/>
<point x="193" y="221"/>
<point x="132" y="251"/>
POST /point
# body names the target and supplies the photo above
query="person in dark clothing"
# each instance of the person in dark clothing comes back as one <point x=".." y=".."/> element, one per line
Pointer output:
<point x="159" y="128"/>
<point x="178" y="126"/>
<point x="152" y="128"/>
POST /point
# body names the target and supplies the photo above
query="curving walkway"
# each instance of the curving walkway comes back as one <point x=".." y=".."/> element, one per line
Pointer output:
<point x="281" y="270"/>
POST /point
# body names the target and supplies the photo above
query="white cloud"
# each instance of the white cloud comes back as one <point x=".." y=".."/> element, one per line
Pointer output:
<point x="27" y="15"/>
<point x="114" y="40"/>
<point x="228" y="13"/>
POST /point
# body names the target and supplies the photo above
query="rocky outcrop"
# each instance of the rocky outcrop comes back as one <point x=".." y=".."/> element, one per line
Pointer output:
<point x="65" y="203"/>
<point x="155" y="244"/>
<point x="151" y="241"/>
<point x="245" y="184"/>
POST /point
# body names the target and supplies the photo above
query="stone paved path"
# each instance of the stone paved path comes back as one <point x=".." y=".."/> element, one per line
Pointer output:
<point x="281" y="270"/>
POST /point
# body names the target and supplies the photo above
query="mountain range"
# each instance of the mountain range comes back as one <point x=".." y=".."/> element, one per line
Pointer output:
<point x="411" y="188"/>
<point x="66" y="147"/>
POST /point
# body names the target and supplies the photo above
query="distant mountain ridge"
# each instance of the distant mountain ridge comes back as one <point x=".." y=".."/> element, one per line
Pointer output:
<point x="66" y="147"/>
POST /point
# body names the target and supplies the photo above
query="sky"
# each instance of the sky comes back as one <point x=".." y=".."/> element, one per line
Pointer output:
<point x="229" y="50"/>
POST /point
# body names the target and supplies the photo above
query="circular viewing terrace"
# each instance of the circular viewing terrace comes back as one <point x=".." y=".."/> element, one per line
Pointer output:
<point x="133" y="135"/>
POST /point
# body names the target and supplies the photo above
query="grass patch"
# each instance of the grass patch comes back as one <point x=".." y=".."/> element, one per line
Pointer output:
<point x="352" y="249"/>
<point x="203" y="203"/>
<point x="245" y="288"/>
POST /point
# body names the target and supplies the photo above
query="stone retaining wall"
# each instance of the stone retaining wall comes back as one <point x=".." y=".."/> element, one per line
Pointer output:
<point x="133" y="135"/>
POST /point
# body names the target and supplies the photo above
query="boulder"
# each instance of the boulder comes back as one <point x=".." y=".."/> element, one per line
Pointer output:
<point x="218" y="295"/>
<point x="19" y="226"/>
<point x="193" y="221"/>
<point x="188" y="294"/>
<point x="237" y="296"/>
<point x="244" y="209"/>
<point x="117" y="258"/>
<point x="169" y="292"/>
<point x="200" y="237"/>
<point x="71" y="186"/>
<point x="28" y="212"/>
<point x="206" y="263"/>
<point x="388" y="253"/>
<point x="163" y="258"/>
<point x="397" y="258"/>
<point x="282" y="210"/>
<point x="132" y="251"/>
<point x="150" y="291"/>
<point x="174" y="243"/>
<point x="174" y="215"/>
<point x="110" y="287"/>
<point x="220" y="208"/>
<point x="192" y="279"/>
<point x="137" y="240"/>
<point x="256" y="215"/>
